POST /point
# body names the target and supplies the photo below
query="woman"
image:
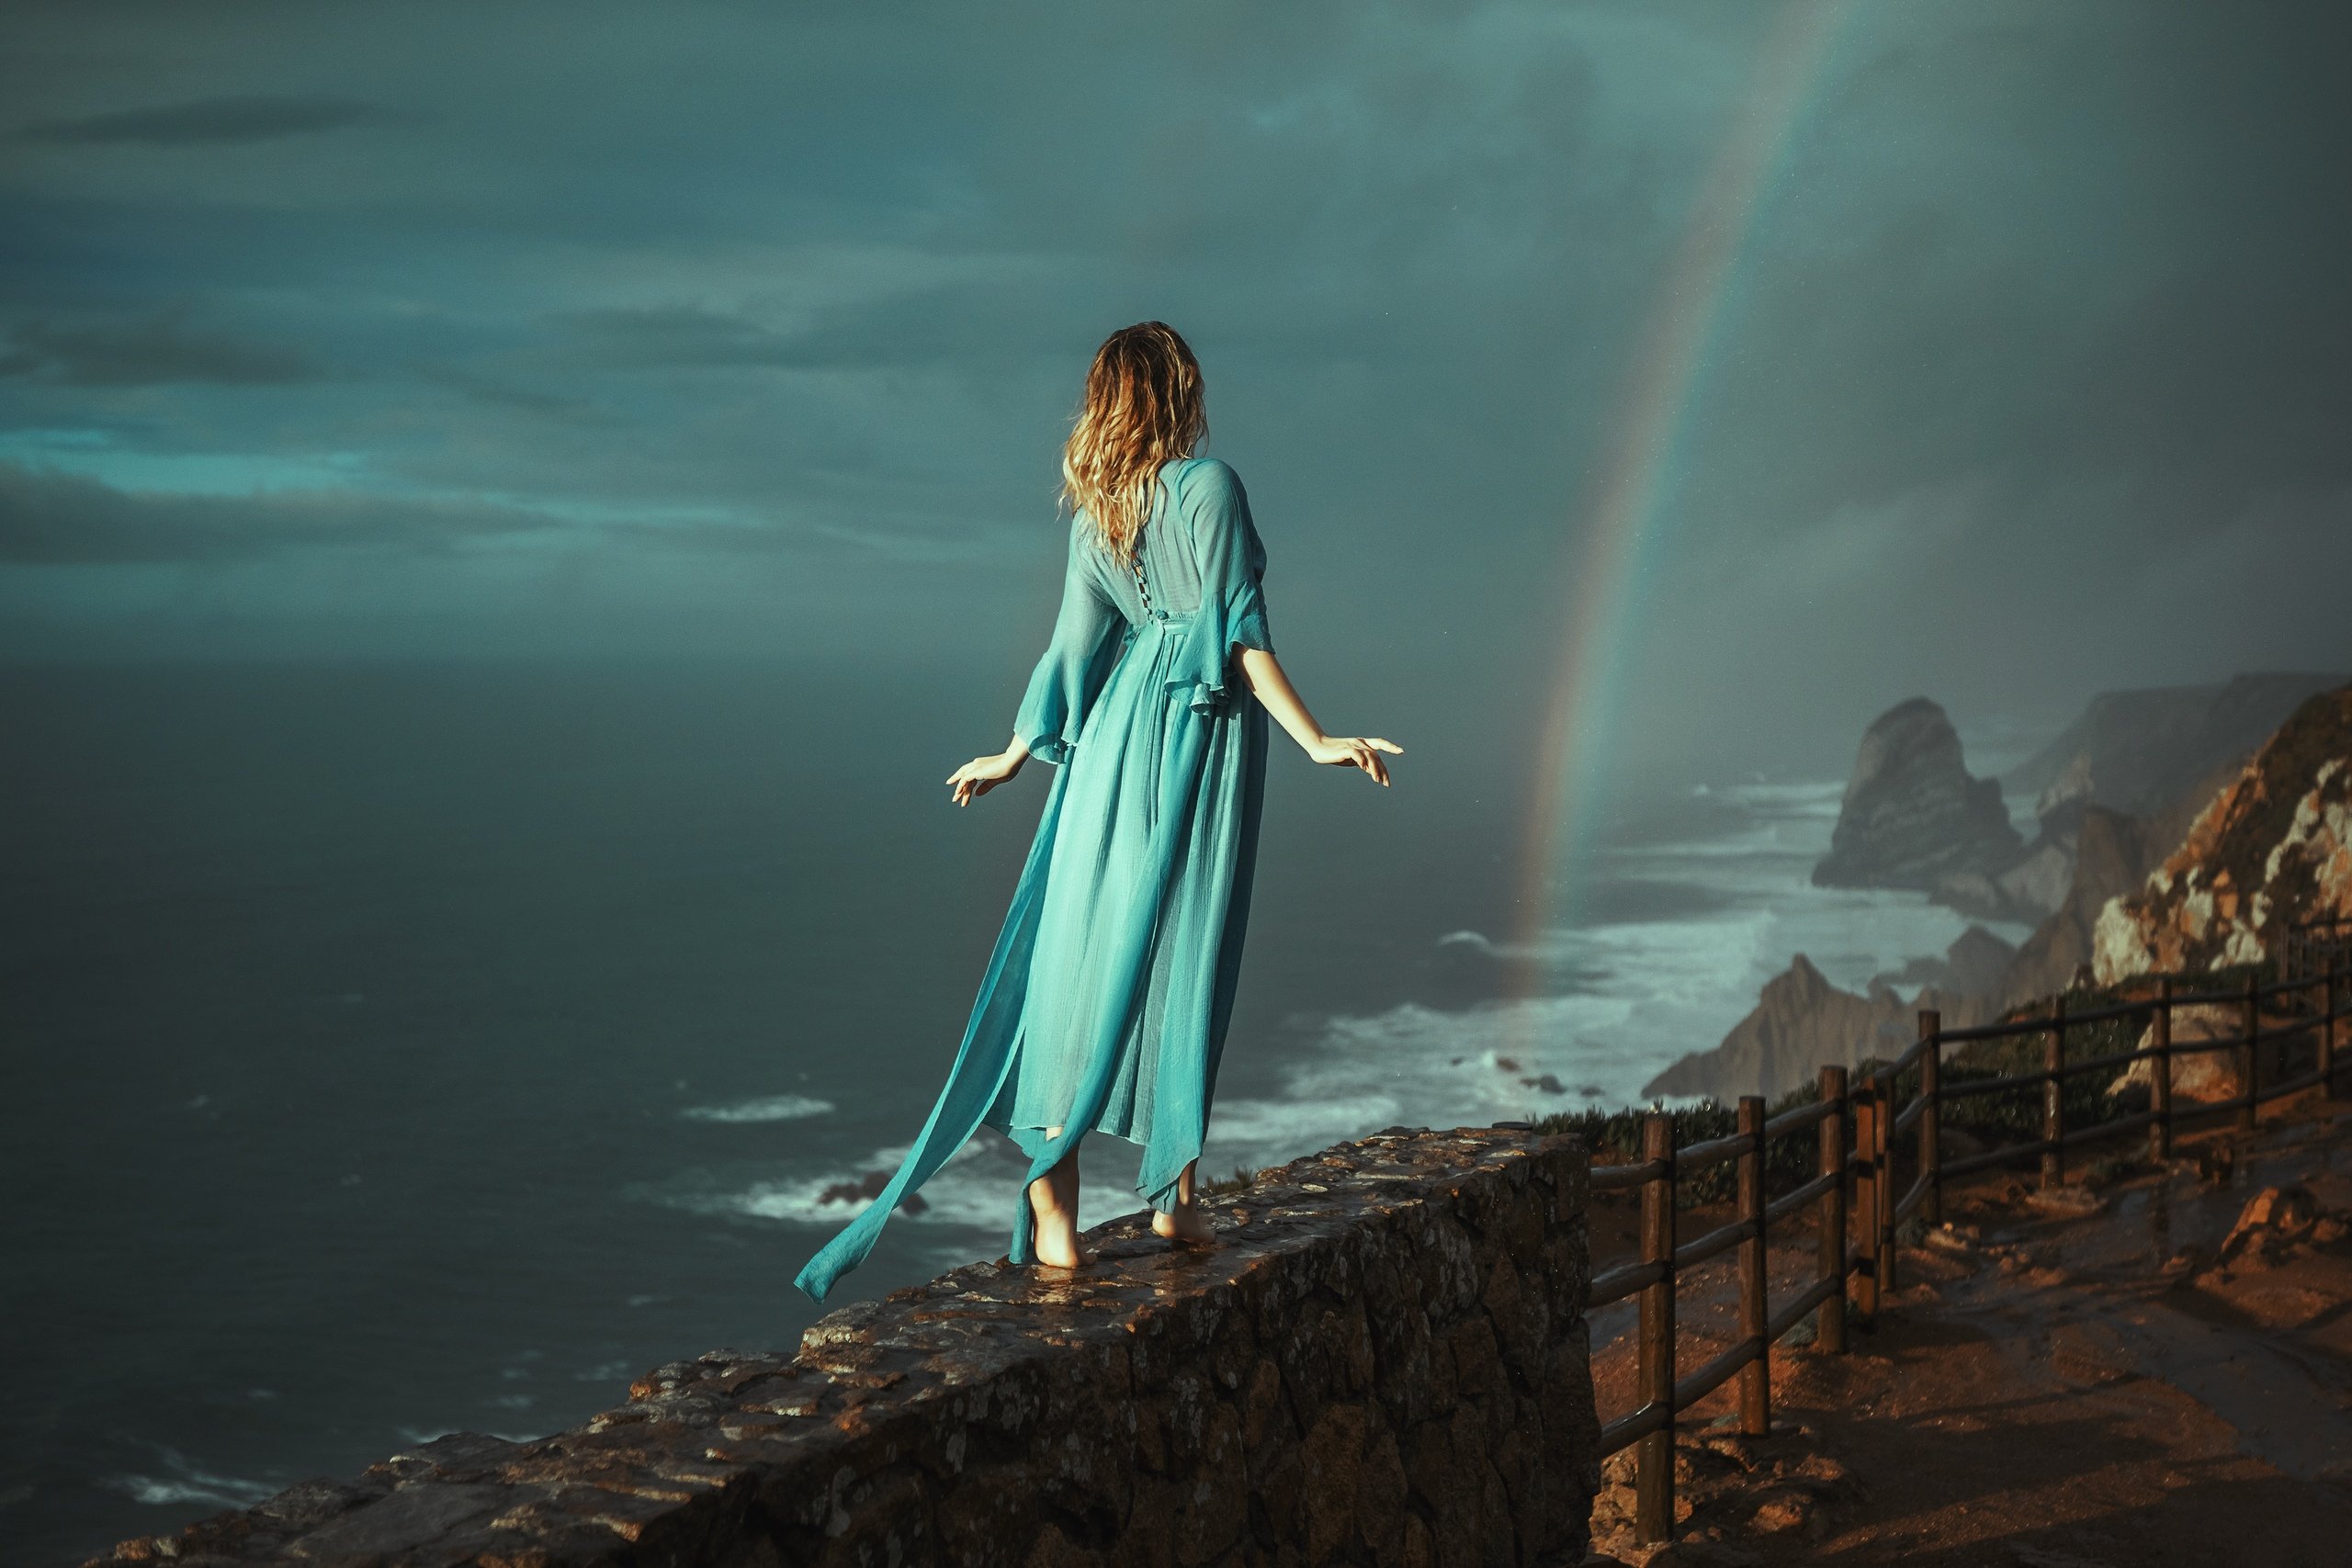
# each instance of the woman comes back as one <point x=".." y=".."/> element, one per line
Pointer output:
<point x="1105" y="1002"/>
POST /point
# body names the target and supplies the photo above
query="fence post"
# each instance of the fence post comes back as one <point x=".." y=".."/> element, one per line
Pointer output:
<point x="1864" y="1104"/>
<point x="1653" y="1462"/>
<point x="1755" y="1315"/>
<point x="1882" y="1094"/>
<point x="2327" y="1029"/>
<point x="2160" y="1076"/>
<point x="2054" y="1100"/>
<point x="1931" y="1079"/>
<point x="1829" y="1329"/>
<point x="2247" y="1052"/>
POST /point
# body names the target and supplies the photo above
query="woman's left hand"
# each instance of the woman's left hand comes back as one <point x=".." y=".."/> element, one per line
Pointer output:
<point x="981" y="775"/>
<point x="1356" y="751"/>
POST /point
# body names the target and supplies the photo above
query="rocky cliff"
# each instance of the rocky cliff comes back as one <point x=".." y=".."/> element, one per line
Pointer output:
<point x="1802" y="1023"/>
<point x="1386" y="1363"/>
<point x="1912" y="815"/>
<point x="2138" y="751"/>
<point x="1974" y="965"/>
<point x="2274" y="848"/>
<point x="2027" y="890"/>
<point x="2113" y="855"/>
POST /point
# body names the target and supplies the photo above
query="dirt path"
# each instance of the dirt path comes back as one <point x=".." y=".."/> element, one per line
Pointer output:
<point x="2128" y="1384"/>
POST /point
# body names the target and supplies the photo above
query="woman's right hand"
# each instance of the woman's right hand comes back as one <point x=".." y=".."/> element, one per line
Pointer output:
<point x="1356" y="751"/>
<point x="981" y="775"/>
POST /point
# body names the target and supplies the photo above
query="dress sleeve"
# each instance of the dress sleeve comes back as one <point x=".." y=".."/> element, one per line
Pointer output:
<point x="1232" y="562"/>
<point x="1070" y="677"/>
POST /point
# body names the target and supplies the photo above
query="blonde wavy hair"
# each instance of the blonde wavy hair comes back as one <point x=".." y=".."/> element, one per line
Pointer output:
<point x="1143" y="406"/>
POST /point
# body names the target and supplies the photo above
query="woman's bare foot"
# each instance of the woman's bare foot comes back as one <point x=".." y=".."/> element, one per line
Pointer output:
<point x="1185" y="1222"/>
<point x="1053" y="1200"/>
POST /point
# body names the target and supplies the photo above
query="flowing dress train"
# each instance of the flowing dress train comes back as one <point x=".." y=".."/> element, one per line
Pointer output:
<point x="1105" y="1004"/>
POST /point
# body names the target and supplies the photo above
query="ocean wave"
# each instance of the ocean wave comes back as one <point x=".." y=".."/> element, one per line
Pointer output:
<point x="774" y="1108"/>
<point x="417" y="1437"/>
<point x="1808" y="798"/>
<point x="1422" y="1066"/>
<point x="606" y="1371"/>
<point x="190" y="1484"/>
<point x="975" y="1190"/>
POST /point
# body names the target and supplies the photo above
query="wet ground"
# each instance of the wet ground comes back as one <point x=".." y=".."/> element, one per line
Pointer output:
<point x="2153" y="1367"/>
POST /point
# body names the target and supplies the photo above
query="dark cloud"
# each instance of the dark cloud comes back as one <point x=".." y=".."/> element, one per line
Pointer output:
<point x="984" y="321"/>
<point x="149" y="351"/>
<point x="2039" y="309"/>
<point x="245" y="118"/>
<point x="673" y="337"/>
<point x="499" y="394"/>
<point x="57" y="519"/>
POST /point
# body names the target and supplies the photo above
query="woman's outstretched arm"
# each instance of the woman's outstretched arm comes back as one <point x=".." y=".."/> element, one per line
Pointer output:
<point x="1266" y="677"/>
<point x="981" y="775"/>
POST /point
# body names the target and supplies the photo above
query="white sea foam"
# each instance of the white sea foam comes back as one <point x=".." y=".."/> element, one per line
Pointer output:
<point x="417" y="1437"/>
<point x="774" y="1108"/>
<point x="189" y="1482"/>
<point x="975" y="1190"/>
<point x="1422" y="1066"/>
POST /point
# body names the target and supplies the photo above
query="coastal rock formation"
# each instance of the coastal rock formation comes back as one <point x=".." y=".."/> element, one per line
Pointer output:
<point x="1912" y="815"/>
<point x="2141" y="754"/>
<point x="1974" y="965"/>
<point x="2030" y="889"/>
<point x="2274" y="848"/>
<point x="1386" y="1363"/>
<point x="2113" y="855"/>
<point x="1801" y="1024"/>
<point x="2138" y="751"/>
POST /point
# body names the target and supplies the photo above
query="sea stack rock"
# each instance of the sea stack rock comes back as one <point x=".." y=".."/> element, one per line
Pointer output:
<point x="2274" y="849"/>
<point x="1912" y="815"/>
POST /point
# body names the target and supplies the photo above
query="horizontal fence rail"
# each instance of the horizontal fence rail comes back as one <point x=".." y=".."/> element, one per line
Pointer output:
<point x="1856" y="1209"/>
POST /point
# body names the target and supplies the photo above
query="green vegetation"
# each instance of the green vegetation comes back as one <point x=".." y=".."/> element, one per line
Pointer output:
<point x="1218" y="1186"/>
<point x="1789" y="1161"/>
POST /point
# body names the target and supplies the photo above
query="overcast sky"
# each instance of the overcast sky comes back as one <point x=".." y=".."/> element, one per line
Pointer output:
<point x="335" y="330"/>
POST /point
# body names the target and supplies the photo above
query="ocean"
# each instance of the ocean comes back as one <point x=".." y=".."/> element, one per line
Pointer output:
<point x="396" y="1049"/>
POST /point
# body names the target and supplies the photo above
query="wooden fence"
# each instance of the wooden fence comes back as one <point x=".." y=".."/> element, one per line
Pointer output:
<point x="1855" y="1126"/>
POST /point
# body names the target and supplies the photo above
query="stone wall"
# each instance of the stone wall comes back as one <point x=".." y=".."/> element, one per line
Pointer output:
<point x="1385" y="1363"/>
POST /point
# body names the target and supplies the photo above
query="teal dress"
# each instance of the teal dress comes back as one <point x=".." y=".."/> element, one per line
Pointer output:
<point x="1105" y="1002"/>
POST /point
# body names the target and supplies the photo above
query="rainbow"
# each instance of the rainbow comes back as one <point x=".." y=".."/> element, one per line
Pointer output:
<point x="1621" y="504"/>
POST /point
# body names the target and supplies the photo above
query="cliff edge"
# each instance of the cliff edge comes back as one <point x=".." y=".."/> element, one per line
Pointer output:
<point x="1385" y="1363"/>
